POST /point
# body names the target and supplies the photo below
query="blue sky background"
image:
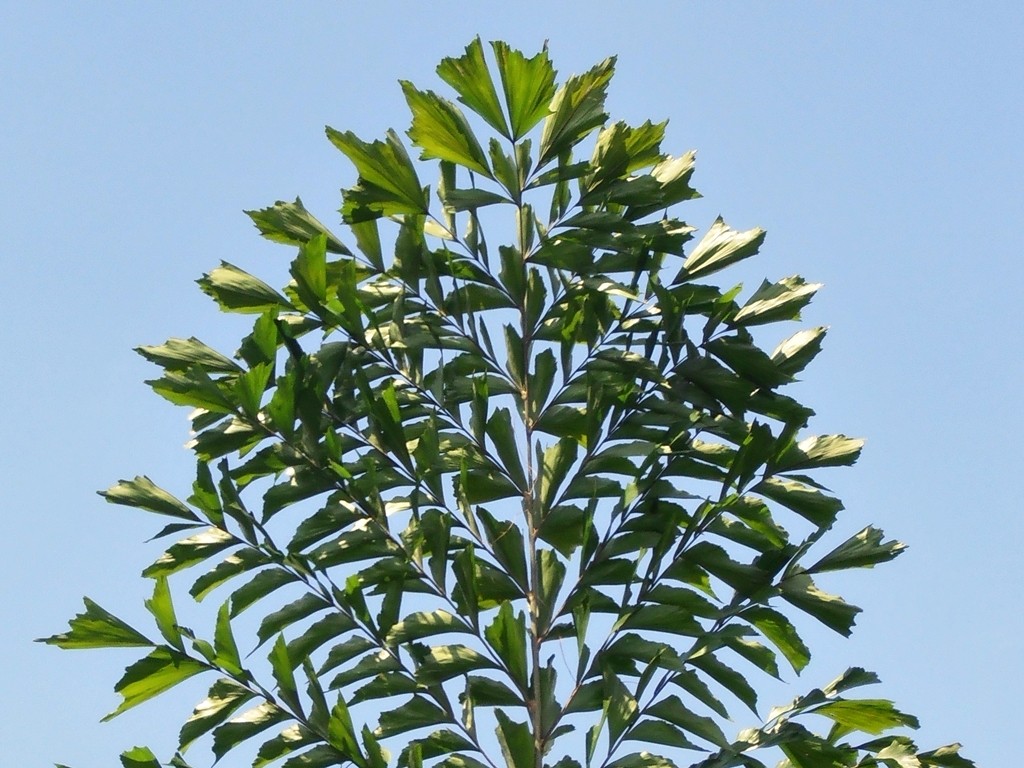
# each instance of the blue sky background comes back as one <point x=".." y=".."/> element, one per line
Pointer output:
<point x="878" y="143"/>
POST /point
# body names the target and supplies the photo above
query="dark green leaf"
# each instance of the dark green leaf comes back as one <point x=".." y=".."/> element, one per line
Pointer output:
<point x="235" y="290"/>
<point x="828" y="609"/>
<point x="507" y="636"/>
<point x="292" y="224"/>
<point x="781" y="633"/>
<point x="515" y="740"/>
<point x="414" y="714"/>
<point x="577" y="108"/>
<point x="388" y="182"/>
<point x="810" y="503"/>
<point x="190" y="551"/>
<point x="261" y="585"/>
<point x="443" y="662"/>
<point x="865" y="549"/>
<point x="144" y="494"/>
<point x="225" y="696"/>
<point x="182" y="354"/>
<point x="284" y="675"/>
<point x="660" y="732"/>
<point x="672" y="709"/>
<point x="417" y="626"/>
<point x="246" y="725"/>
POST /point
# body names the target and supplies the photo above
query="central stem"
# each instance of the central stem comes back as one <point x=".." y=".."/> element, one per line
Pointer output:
<point x="530" y="496"/>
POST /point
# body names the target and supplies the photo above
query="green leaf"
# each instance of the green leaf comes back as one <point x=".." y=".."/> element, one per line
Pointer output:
<point x="292" y="738"/>
<point x="773" y="302"/>
<point x="642" y="760"/>
<point x="529" y="86"/>
<point x="865" y="549"/>
<point x="161" y="670"/>
<point x="868" y="715"/>
<point x="235" y="290"/>
<point x="469" y="76"/>
<point x="388" y="183"/>
<point x="660" y="732"/>
<point x="414" y="714"/>
<point x="250" y="386"/>
<point x="672" y="710"/>
<point x="321" y="756"/>
<point x="822" y="451"/>
<point x="236" y="563"/>
<point x="499" y="429"/>
<point x="443" y="662"/>
<point x="781" y="633"/>
<point x="344" y="651"/>
<point x="507" y="544"/>
<point x="810" y="503"/>
<point x="292" y="224"/>
<point x="261" y="585"/>
<point x="796" y="352"/>
<point x="182" y="354"/>
<point x="551" y="574"/>
<point x="440" y="129"/>
<point x="224" y="698"/>
<point x="471" y="199"/>
<point x="310" y="272"/>
<point x="318" y="634"/>
<point x="224" y="643"/>
<point x="377" y="663"/>
<point x="748" y="360"/>
<point x="728" y="678"/>
<point x="229" y="735"/>
<point x="556" y="462"/>
<point x="417" y="626"/>
<point x="830" y="610"/>
<point x="718" y="249"/>
<point x="515" y="740"/>
<point x="144" y="494"/>
<point x="853" y="677"/>
<point x="620" y="706"/>
<point x="284" y="675"/>
<point x="139" y="757"/>
<point x="577" y="108"/>
<point x="97" y="628"/>
<point x="162" y="608"/>
<point x="488" y="692"/>
<point x="507" y="636"/>
<point x="190" y="551"/>
<point x="945" y="757"/>
<point x="342" y="732"/>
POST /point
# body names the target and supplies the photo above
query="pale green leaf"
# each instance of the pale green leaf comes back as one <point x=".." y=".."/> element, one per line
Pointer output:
<point x="441" y="130"/>
<point x="161" y="670"/>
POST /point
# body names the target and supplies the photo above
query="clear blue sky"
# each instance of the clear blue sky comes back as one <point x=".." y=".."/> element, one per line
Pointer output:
<point x="880" y="144"/>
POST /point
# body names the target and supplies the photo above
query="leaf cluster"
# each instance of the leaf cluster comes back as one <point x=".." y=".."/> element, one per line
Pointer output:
<point x="483" y="496"/>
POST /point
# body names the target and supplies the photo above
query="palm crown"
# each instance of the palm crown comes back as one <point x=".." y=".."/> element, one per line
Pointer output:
<point x="488" y="496"/>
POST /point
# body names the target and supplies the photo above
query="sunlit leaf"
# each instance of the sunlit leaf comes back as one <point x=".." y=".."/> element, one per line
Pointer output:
<point x="161" y="670"/>
<point x="469" y="76"/>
